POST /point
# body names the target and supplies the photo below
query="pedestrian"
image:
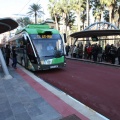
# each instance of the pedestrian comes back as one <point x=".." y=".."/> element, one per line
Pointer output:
<point x="7" y="54"/>
<point x="74" y="51"/>
<point x="113" y="53"/>
<point x="67" y="49"/>
<point x="89" y="52"/>
<point x="118" y="54"/>
<point x="95" y="52"/>
<point x="100" y="51"/>
<point x="106" y="53"/>
<point x="14" y="57"/>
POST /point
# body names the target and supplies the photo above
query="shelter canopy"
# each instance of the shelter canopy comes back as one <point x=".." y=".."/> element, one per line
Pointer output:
<point x="7" y="24"/>
<point x="98" y="33"/>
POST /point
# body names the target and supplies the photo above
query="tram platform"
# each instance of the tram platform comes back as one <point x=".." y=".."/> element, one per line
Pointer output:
<point x="27" y="97"/>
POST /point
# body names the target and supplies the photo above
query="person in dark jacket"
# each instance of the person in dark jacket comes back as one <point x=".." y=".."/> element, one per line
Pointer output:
<point x="113" y="52"/>
<point x="67" y="49"/>
<point x="14" y="57"/>
<point x="106" y="53"/>
<point x="118" y="54"/>
<point x="7" y="54"/>
<point x="95" y="52"/>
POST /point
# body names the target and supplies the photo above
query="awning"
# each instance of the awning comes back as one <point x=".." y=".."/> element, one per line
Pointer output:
<point x="91" y="33"/>
<point x="7" y="24"/>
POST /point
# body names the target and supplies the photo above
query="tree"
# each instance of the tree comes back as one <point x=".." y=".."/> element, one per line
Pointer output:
<point x="97" y="10"/>
<point x="119" y="17"/>
<point x="64" y="9"/>
<point x="83" y="19"/>
<point x="70" y="19"/>
<point x="106" y="15"/>
<point x="109" y="5"/>
<point x="53" y="8"/>
<point x="35" y="10"/>
<point x="76" y="6"/>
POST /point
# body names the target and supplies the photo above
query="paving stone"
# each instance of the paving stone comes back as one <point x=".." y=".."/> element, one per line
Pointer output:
<point x="22" y="116"/>
<point x="25" y="99"/>
<point x="18" y="108"/>
<point x="34" y="111"/>
<point x="10" y="118"/>
<point x="2" y="90"/>
<point x="4" y="106"/>
<point x="13" y="99"/>
<point x="4" y="115"/>
<point x="38" y="101"/>
<point x="3" y="99"/>
<point x="21" y="92"/>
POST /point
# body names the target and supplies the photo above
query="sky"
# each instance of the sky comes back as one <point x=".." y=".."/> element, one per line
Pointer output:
<point x="17" y="8"/>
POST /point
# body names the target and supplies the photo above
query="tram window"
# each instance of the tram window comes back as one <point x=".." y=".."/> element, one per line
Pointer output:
<point x="25" y="40"/>
<point x="29" y="48"/>
<point x="30" y="52"/>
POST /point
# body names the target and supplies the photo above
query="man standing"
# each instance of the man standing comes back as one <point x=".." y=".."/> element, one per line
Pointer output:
<point x="118" y="54"/>
<point x="67" y="49"/>
<point x="14" y="57"/>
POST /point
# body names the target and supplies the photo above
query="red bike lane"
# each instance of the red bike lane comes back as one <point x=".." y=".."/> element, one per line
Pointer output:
<point x="96" y="86"/>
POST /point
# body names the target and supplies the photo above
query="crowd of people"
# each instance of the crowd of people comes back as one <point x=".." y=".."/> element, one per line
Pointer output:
<point x="7" y="53"/>
<point x="94" y="52"/>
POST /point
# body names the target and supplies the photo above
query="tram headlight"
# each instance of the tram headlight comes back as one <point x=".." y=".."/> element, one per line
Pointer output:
<point x="46" y="62"/>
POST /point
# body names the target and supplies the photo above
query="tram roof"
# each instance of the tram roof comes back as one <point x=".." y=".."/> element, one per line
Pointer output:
<point x="91" y="33"/>
<point x="37" y="28"/>
<point x="7" y="24"/>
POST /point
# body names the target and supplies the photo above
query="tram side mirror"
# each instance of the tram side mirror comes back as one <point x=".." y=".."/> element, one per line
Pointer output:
<point x="65" y="39"/>
<point x="94" y="38"/>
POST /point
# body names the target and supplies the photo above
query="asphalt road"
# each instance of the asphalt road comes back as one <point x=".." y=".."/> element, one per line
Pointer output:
<point x="95" y="85"/>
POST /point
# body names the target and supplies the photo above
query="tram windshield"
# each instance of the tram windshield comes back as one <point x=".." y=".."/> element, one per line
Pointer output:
<point x="48" y="47"/>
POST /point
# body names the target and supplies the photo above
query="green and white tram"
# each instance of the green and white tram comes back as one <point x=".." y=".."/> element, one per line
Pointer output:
<point x="39" y="47"/>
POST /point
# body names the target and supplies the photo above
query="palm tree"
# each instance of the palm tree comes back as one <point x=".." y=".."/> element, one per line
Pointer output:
<point x="70" y="19"/>
<point x="53" y="8"/>
<point x="64" y="9"/>
<point x="83" y="19"/>
<point x="119" y="17"/>
<point x="76" y="6"/>
<point x="35" y="10"/>
<point x="109" y="4"/>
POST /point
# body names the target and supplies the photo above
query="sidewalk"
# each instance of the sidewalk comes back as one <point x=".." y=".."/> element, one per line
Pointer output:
<point x="27" y="97"/>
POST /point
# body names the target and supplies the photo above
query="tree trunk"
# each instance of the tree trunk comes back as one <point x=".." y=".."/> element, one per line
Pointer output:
<point x="78" y="20"/>
<point x="56" y="23"/>
<point x="35" y="18"/>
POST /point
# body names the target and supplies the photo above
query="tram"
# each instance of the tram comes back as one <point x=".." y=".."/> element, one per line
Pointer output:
<point x="39" y="47"/>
